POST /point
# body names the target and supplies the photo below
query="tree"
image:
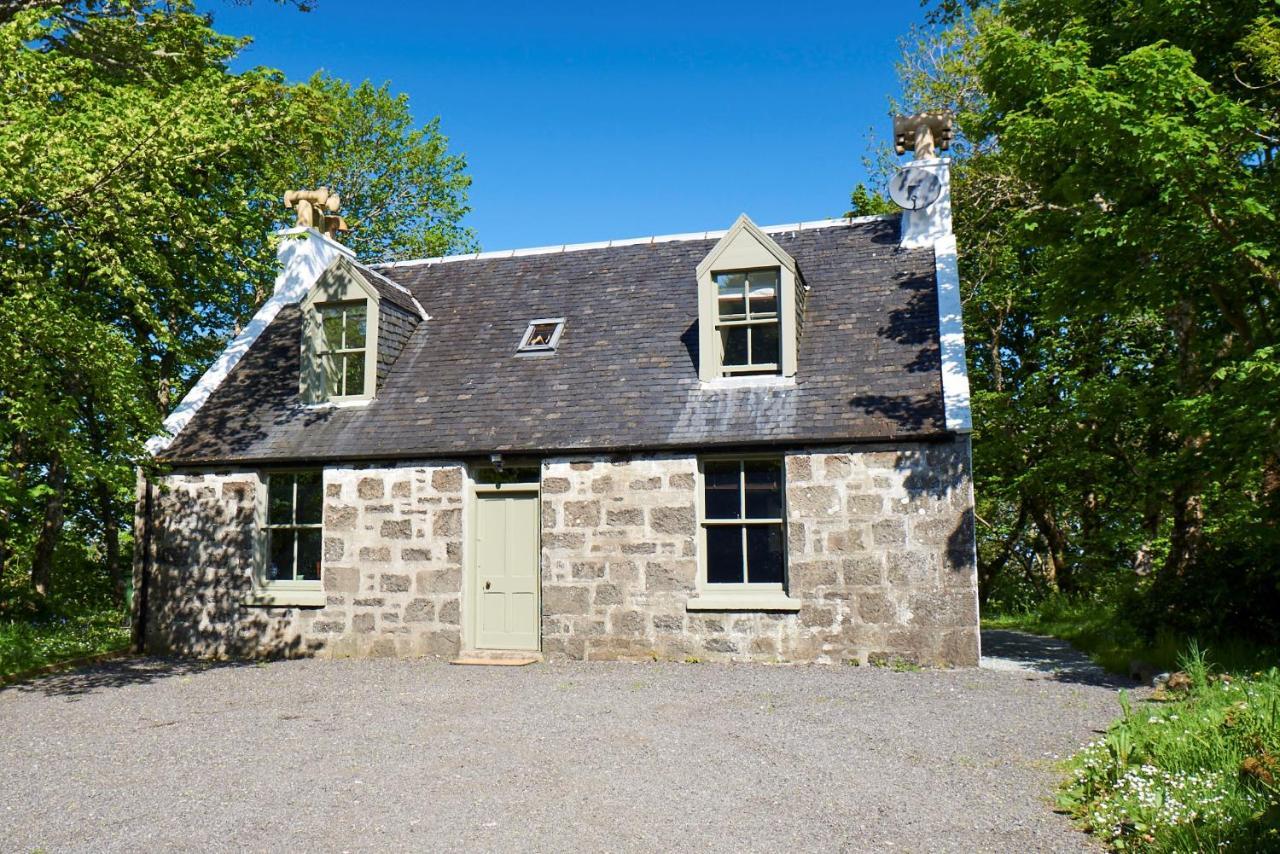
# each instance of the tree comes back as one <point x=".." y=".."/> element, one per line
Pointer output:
<point x="1115" y="200"/>
<point x="140" y="183"/>
<point x="403" y="193"/>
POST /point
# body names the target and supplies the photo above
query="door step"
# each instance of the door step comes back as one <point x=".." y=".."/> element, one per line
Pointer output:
<point x="497" y="657"/>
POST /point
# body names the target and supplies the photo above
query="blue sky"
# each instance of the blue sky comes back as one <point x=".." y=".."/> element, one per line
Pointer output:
<point x="592" y="121"/>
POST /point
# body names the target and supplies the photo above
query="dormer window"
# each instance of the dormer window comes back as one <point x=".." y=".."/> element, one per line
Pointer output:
<point x="345" y="330"/>
<point x="542" y="336"/>
<point x="748" y="306"/>
<point x="340" y="318"/>
<point x="747" y="321"/>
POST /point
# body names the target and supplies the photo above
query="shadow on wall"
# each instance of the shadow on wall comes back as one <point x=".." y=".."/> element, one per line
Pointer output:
<point x="121" y="673"/>
<point x="202" y="570"/>
<point x="941" y="473"/>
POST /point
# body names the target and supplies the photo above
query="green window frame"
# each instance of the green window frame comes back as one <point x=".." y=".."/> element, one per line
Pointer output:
<point x="743" y="532"/>
<point x="292" y="530"/>
<point x="344" y="330"/>
<point x="748" y="324"/>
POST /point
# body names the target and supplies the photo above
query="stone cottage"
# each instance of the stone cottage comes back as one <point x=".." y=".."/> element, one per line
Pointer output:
<point x="740" y="445"/>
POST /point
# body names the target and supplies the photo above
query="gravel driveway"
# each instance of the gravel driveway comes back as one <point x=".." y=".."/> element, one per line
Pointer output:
<point x="393" y="754"/>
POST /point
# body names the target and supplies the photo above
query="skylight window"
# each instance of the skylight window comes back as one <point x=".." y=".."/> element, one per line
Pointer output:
<point x="542" y="336"/>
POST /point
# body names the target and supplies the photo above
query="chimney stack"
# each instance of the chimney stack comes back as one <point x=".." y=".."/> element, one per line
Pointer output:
<point x="923" y="186"/>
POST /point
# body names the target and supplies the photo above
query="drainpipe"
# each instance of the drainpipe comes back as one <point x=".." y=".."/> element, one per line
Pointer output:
<point x="143" y="575"/>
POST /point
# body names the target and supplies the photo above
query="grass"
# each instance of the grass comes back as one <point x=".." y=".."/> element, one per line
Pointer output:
<point x="35" y="634"/>
<point x="26" y="645"/>
<point x="1200" y="772"/>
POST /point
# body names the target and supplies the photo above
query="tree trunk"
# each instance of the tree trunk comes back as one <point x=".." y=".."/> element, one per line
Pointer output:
<point x="1186" y="536"/>
<point x="988" y="574"/>
<point x="1056" y="540"/>
<point x="50" y="530"/>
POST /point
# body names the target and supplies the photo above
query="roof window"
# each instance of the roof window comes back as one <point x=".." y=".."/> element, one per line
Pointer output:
<point x="542" y="336"/>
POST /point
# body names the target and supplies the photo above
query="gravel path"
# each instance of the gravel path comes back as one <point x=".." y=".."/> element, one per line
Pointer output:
<point x="392" y="754"/>
<point x="1007" y="649"/>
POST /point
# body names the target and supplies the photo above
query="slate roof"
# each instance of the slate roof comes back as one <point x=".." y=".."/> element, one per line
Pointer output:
<point x="389" y="290"/>
<point x="625" y="373"/>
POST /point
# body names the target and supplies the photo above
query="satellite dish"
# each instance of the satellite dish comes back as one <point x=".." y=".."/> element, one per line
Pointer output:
<point x="914" y="188"/>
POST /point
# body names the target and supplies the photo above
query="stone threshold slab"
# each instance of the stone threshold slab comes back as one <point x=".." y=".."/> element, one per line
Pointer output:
<point x="497" y="660"/>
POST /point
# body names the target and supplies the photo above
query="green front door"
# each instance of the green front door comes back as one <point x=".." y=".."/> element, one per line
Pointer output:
<point x="505" y="588"/>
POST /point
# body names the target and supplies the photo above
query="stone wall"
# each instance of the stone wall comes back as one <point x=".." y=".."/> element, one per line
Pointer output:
<point x="391" y="567"/>
<point x="880" y="557"/>
<point x="618" y="557"/>
<point x="879" y="552"/>
<point x="880" y="548"/>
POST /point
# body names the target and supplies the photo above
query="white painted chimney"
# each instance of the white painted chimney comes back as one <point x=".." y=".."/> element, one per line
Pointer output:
<point x="923" y="187"/>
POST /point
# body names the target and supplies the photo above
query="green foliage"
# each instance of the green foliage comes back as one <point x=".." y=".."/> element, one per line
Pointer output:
<point x="1115" y="199"/>
<point x="1102" y="625"/>
<point x="403" y="193"/>
<point x="1196" y="774"/>
<point x="78" y="620"/>
<point x="868" y="202"/>
<point x="140" y="184"/>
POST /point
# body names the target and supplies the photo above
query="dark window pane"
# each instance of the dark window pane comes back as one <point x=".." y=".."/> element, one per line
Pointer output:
<point x="724" y="554"/>
<point x="280" y="555"/>
<point x="764" y="488"/>
<point x="310" y="498"/>
<point x="309" y="554"/>
<point x="355" y="327"/>
<point x="735" y="345"/>
<point x="721" y="478"/>
<point x="730" y="292"/>
<point x="764" y="344"/>
<point x="355" y="374"/>
<point x="331" y="319"/>
<point x="762" y="291"/>
<point x="510" y="474"/>
<point x="764" y="554"/>
<point x="280" y="499"/>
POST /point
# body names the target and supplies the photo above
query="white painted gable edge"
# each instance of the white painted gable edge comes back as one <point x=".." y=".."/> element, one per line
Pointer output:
<point x="955" y="368"/>
<point x="304" y="254"/>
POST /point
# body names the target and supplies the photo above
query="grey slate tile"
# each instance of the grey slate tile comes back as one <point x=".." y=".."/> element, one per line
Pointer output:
<point x="625" y="374"/>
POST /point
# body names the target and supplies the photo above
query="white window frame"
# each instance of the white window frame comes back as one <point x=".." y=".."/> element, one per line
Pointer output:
<point x="744" y="596"/>
<point x="302" y="593"/>
<point x="549" y="347"/>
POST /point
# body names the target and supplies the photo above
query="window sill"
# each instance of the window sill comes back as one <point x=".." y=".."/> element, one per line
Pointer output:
<point x="345" y="403"/>
<point x="262" y="598"/>
<point x="742" y="602"/>
<point x="749" y="381"/>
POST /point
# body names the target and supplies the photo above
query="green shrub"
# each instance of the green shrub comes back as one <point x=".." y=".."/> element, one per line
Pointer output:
<point x="1194" y="774"/>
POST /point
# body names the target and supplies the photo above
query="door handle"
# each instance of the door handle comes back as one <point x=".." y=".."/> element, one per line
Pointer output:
<point x="487" y="584"/>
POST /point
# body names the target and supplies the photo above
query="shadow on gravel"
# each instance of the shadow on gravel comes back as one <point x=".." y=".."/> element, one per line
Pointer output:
<point x="120" y="673"/>
<point x="1004" y="649"/>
